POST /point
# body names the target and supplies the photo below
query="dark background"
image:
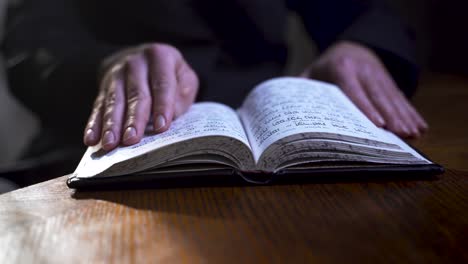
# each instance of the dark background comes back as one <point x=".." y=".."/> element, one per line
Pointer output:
<point x="440" y="29"/>
<point x="441" y="32"/>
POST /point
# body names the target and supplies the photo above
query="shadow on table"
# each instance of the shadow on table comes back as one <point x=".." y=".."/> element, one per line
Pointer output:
<point x="196" y="193"/>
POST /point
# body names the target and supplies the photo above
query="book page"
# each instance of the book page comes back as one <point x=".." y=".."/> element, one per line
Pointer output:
<point x="405" y="147"/>
<point x="201" y="120"/>
<point x="286" y="106"/>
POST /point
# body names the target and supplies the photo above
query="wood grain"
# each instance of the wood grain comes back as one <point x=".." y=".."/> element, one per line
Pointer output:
<point x="443" y="101"/>
<point x="398" y="221"/>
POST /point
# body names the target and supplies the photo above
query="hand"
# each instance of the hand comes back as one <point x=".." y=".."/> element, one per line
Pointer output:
<point x="149" y="79"/>
<point x="364" y="79"/>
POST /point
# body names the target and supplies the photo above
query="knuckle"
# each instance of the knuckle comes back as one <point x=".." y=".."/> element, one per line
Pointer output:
<point x="389" y="110"/>
<point x="135" y="89"/>
<point x="161" y="49"/>
<point x="133" y="63"/>
<point x="344" y="64"/>
<point x="98" y="104"/>
<point x="111" y="100"/>
<point x="377" y="97"/>
<point x="100" y="98"/>
<point x="115" y="68"/>
<point x="134" y="103"/>
<point x="109" y="123"/>
<point x="161" y="84"/>
<point x="131" y="120"/>
<point x="161" y="105"/>
<point x="95" y="114"/>
<point x="135" y="93"/>
<point x="91" y="124"/>
<point x="369" y="71"/>
<point x="97" y="107"/>
<point x="132" y="60"/>
<point x="161" y="108"/>
<point x="112" y="73"/>
<point x="145" y="100"/>
<point x="108" y="114"/>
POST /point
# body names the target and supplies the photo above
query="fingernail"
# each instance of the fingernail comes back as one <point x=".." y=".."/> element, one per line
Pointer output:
<point x="380" y="121"/>
<point x="405" y="130"/>
<point x="425" y="126"/>
<point x="130" y="133"/>
<point x="108" y="138"/>
<point x="159" y="122"/>
<point x="89" y="135"/>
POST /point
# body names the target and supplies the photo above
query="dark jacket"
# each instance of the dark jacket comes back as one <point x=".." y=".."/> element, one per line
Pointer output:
<point x="53" y="48"/>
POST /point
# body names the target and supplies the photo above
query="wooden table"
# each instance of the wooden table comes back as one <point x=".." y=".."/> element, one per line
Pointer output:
<point x="400" y="221"/>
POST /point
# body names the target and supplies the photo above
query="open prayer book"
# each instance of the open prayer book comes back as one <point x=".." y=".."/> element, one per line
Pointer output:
<point x="285" y="126"/>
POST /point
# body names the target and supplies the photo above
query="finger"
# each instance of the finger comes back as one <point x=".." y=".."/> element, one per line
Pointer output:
<point x="409" y="128"/>
<point x="188" y="83"/>
<point x="138" y="98"/>
<point x="114" y="107"/>
<point x="400" y="103"/>
<point x="416" y="120"/>
<point x="353" y="89"/>
<point x="422" y="124"/>
<point x="345" y="78"/>
<point x="386" y="101"/>
<point x="94" y="126"/>
<point x="417" y="123"/>
<point x="163" y="85"/>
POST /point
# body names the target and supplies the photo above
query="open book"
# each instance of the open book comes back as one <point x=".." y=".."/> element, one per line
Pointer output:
<point x="284" y="126"/>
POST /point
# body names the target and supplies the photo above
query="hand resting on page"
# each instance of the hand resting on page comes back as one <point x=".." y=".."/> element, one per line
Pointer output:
<point x="364" y="79"/>
<point x="148" y="80"/>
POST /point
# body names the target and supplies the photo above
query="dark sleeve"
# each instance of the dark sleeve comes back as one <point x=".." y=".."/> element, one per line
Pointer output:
<point x="52" y="61"/>
<point x="369" y="22"/>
